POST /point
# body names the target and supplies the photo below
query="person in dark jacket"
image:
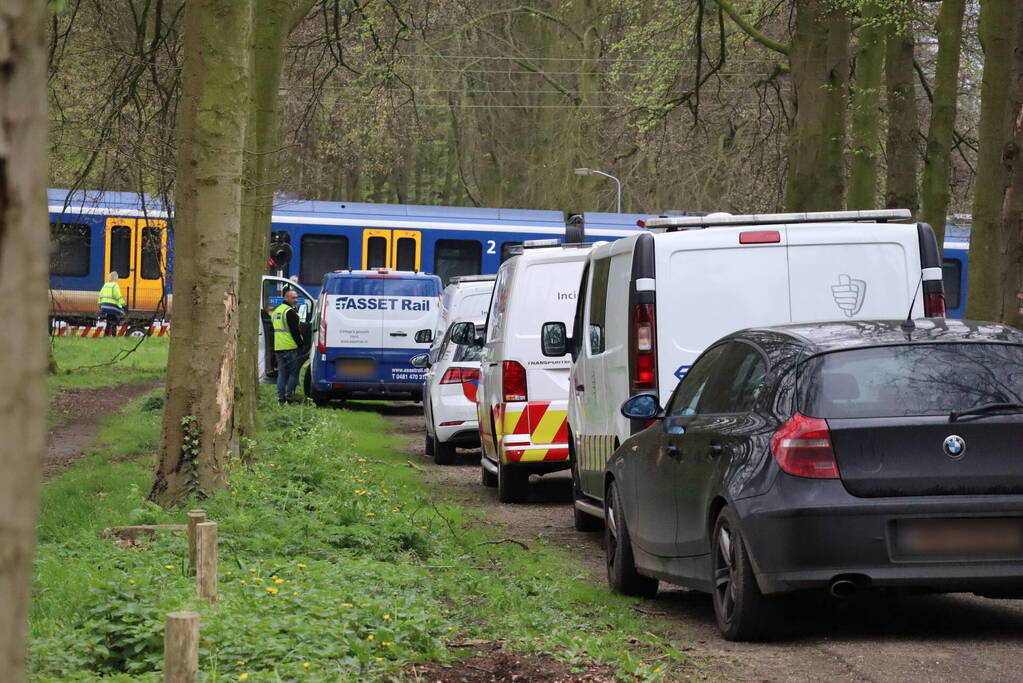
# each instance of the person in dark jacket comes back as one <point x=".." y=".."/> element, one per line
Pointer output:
<point x="288" y="344"/>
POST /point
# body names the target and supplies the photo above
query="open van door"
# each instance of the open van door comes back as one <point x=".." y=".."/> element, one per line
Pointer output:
<point x="271" y="296"/>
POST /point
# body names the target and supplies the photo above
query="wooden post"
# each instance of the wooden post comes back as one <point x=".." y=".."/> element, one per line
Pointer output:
<point x="181" y="648"/>
<point x="206" y="560"/>
<point x="195" y="517"/>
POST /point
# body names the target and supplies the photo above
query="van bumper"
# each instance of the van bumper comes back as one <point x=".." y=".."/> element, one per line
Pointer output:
<point x="549" y="457"/>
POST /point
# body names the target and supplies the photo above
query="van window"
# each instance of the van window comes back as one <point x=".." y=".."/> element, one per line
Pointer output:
<point x="410" y="287"/>
<point x="598" y="305"/>
<point x="376" y="256"/>
<point x="498" y="305"/>
<point x="322" y="254"/>
<point x="580" y="310"/>
<point x="952" y="274"/>
<point x="120" y="250"/>
<point x="456" y="257"/>
<point x="69" y="249"/>
<point x="506" y="250"/>
<point x="405" y="251"/>
<point x="152" y="239"/>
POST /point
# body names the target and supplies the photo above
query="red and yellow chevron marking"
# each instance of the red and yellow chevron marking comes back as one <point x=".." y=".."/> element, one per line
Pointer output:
<point x="546" y="427"/>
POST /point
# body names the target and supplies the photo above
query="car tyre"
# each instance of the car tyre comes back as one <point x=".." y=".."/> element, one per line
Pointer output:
<point x="622" y="576"/>
<point x="512" y="483"/>
<point x="318" y="397"/>
<point x="487" y="478"/>
<point x="429" y="445"/>
<point x="741" y="610"/>
<point x="443" y="453"/>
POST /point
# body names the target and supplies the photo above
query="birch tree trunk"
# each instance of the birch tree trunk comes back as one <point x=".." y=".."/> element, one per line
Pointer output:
<point x="900" y="78"/>
<point x="198" y="421"/>
<point x="23" y="275"/>
<point x="1012" y="200"/>
<point x="983" y="296"/>
<point x="934" y="191"/>
<point x="866" y="115"/>
<point x="820" y="65"/>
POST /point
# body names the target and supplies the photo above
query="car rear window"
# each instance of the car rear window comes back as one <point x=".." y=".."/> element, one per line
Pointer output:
<point x="910" y="379"/>
<point x="465" y="354"/>
<point x="382" y="286"/>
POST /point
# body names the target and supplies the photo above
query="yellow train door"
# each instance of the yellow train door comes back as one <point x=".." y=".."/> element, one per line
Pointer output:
<point x="151" y="263"/>
<point x="120" y="256"/>
<point x="396" y="249"/>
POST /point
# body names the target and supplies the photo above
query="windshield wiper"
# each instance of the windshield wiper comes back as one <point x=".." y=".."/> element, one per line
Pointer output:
<point x="985" y="409"/>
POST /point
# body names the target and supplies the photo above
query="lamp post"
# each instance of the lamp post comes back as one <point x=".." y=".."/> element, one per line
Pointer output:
<point x="593" y="171"/>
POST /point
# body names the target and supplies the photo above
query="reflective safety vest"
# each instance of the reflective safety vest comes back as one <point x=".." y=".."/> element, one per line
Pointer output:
<point x="110" y="295"/>
<point x="283" y="341"/>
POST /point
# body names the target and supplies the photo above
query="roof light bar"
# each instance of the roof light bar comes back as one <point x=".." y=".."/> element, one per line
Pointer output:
<point x="539" y="244"/>
<point x="874" y="216"/>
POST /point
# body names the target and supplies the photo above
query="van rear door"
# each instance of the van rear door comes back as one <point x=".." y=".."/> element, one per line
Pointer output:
<point x="860" y="271"/>
<point x="354" y="326"/>
<point x="410" y="305"/>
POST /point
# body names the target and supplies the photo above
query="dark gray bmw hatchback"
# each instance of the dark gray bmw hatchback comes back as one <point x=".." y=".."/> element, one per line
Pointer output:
<point x="843" y="456"/>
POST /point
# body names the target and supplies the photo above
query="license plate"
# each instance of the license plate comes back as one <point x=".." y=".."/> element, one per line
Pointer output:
<point x="361" y="368"/>
<point x="960" y="537"/>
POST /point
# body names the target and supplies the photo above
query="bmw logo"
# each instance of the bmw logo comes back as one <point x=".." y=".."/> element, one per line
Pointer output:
<point x="954" y="446"/>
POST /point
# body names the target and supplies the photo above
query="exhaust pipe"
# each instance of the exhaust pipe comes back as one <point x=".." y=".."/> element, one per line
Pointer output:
<point x="842" y="588"/>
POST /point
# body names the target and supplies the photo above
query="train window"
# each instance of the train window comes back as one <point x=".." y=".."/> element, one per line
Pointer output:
<point x="152" y="239"/>
<point x="322" y="254"/>
<point x="376" y="256"/>
<point x="506" y="250"/>
<point x="69" y="249"/>
<point x="952" y="274"/>
<point x="456" y="257"/>
<point x="406" y="254"/>
<point x="120" y="250"/>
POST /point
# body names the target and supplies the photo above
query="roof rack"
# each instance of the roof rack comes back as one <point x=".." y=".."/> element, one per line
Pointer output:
<point x="720" y="220"/>
<point x="471" y="278"/>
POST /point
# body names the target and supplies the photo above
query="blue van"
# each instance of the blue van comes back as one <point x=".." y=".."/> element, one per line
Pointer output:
<point x="371" y="322"/>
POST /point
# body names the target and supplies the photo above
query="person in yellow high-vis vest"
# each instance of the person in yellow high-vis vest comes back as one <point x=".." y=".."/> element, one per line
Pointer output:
<point x="288" y="345"/>
<point x="111" y="304"/>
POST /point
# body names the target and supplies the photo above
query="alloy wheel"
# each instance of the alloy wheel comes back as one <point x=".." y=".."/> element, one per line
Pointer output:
<point x="724" y="573"/>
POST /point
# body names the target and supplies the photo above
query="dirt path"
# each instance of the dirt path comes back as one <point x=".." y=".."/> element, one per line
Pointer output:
<point x="925" y="638"/>
<point x="80" y="412"/>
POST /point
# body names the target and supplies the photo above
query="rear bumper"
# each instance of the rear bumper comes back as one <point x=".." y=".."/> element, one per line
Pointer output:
<point x="466" y="434"/>
<point x="547" y="456"/>
<point x="804" y="534"/>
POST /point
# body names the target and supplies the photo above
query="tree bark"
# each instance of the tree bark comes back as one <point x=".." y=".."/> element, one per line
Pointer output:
<point x="934" y="192"/>
<point x="902" y="192"/>
<point x="198" y="416"/>
<point x="866" y="115"/>
<point x="23" y="275"/>
<point x="820" y="63"/>
<point x="983" y="295"/>
<point x="1012" y="200"/>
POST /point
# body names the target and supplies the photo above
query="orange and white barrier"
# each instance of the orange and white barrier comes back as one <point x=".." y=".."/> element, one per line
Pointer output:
<point x="159" y="328"/>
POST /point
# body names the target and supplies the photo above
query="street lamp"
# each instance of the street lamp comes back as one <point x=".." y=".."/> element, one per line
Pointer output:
<point x="593" y="171"/>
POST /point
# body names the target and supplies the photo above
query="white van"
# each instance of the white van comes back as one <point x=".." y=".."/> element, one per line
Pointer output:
<point x="522" y="401"/>
<point x="650" y="304"/>
<point x="467" y="297"/>
<point x="371" y="323"/>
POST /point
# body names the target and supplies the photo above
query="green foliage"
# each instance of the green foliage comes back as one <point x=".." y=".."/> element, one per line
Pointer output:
<point x="153" y="403"/>
<point x="92" y="363"/>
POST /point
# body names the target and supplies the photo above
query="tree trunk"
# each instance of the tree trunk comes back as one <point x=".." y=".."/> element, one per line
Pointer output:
<point x="820" y="65"/>
<point x="866" y="115"/>
<point x="934" y="191"/>
<point x="198" y="416"/>
<point x="23" y="272"/>
<point x="900" y="78"/>
<point x="270" y="27"/>
<point x="983" y="295"/>
<point x="1012" y="201"/>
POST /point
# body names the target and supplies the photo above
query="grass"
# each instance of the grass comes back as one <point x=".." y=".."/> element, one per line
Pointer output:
<point x="337" y="564"/>
<point x="84" y="363"/>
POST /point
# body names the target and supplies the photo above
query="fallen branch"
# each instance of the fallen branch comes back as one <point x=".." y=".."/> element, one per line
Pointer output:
<point x="506" y="540"/>
<point x="414" y="466"/>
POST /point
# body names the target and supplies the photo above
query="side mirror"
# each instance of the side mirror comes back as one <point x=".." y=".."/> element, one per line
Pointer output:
<point x="554" y="339"/>
<point x="465" y="334"/>
<point x="642" y="407"/>
<point x="421" y="360"/>
<point x="424" y="336"/>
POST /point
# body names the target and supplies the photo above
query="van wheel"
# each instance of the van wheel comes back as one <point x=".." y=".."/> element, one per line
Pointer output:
<point x="512" y="483"/>
<point x="622" y="576"/>
<point x="318" y="397"/>
<point x="443" y="453"/>
<point x="429" y="444"/>
<point x="487" y="478"/>
<point x="741" y="610"/>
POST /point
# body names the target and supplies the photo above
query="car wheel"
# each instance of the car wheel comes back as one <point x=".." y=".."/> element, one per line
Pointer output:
<point x="443" y="453"/>
<point x="137" y="331"/>
<point x="581" y="520"/>
<point x="742" y="611"/>
<point x="318" y="397"/>
<point x="429" y="444"/>
<point x="622" y="576"/>
<point x="487" y="478"/>
<point x="512" y="483"/>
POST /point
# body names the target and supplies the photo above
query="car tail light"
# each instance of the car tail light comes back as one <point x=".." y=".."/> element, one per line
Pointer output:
<point x="460" y="375"/>
<point x="643" y="349"/>
<point x="321" y="336"/>
<point x="513" y="381"/>
<point x="802" y="448"/>
<point x="934" y="305"/>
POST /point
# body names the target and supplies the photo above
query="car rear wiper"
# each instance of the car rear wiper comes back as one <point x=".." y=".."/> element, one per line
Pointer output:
<point x="985" y="409"/>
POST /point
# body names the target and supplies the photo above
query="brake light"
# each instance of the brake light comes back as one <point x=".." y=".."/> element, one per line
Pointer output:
<point x="643" y="349"/>
<point x="802" y="448"/>
<point x="934" y="305"/>
<point x="759" y="237"/>
<point x="321" y="336"/>
<point x="460" y="376"/>
<point x="513" y="381"/>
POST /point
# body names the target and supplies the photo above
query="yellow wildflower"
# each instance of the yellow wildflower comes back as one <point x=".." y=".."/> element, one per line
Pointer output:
<point x="240" y="662"/>
<point x="243" y="677"/>
<point x="370" y="514"/>
<point x="347" y="604"/>
<point x="386" y="644"/>
<point x="229" y="572"/>
<point x="271" y="591"/>
<point x="380" y="659"/>
<point x="387" y="617"/>
<point x="168" y="566"/>
<point x="241" y="580"/>
<point x="253" y="570"/>
<point x="361" y="460"/>
<point x="370" y="637"/>
<point x="306" y="665"/>
<point x="278" y="580"/>
<point x="257" y="578"/>
<point x="300" y="565"/>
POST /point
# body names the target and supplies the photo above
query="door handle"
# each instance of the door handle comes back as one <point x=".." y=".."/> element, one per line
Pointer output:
<point x="716" y="449"/>
<point x="399" y="334"/>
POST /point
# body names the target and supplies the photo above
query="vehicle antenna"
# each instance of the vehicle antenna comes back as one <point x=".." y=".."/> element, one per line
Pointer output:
<point x="908" y="325"/>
